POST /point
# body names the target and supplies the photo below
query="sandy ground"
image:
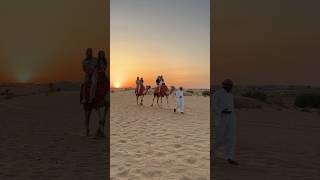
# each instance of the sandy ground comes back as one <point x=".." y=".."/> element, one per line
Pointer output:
<point x="149" y="143"/>
<point x="42" y="137"/>
<point x="276" y="145"/>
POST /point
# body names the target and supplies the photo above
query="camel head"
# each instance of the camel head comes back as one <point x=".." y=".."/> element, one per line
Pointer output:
<point x="172" y="89"/>
<point x="147" y="89"/>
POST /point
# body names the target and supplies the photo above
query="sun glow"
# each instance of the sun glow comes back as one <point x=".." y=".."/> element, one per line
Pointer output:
<point x="24" y="77"/>
<point x="117" y="85"/>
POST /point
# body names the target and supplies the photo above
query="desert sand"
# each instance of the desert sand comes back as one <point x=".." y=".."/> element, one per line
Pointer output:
<point x="43" y="137"/>
<point x="149" y="143"/>
<point x="274" y="144"/>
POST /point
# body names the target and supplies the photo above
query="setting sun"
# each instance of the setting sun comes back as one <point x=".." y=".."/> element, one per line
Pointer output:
<point x="24" y="77"/>
<point x="117" y="85"/>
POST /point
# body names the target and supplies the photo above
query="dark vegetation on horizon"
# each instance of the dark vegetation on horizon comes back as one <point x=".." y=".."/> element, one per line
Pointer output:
<point x="308" y="100"/>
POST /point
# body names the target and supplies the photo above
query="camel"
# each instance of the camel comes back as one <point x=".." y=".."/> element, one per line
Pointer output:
<point x="142" y="93"/>
<point x="102" y="108"/>
<point x="163" y="92"/>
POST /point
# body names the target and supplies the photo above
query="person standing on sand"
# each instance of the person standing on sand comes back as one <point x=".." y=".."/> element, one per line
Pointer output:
<point x="89" y="66"/>
<point x="180" y="101"/>
<point x="225" y="122"/>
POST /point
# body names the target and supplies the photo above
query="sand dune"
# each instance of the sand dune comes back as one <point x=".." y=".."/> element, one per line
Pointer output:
<point x="275" y="145"/>
<point x="149" y="143"/>
<point x="43" y="137"/>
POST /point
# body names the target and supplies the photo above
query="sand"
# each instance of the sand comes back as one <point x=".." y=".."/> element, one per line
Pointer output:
<point x="43" y="137"/>
<point x="277" y="145"/>
<point x="149" y="143"/>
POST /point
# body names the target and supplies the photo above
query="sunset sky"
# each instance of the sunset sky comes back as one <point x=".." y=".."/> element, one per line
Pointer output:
<point x="43" y="41"/>
<point x="166" y="37"/>
<point x="266" y="42"/>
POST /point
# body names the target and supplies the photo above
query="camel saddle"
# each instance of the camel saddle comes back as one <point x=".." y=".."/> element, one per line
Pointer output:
<point x="142" y="89"/>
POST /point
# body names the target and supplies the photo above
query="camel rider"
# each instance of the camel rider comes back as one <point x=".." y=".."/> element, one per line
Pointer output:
<point x="137" y="85"/>
<point x="89" y="66"/>
<point x="141" y="84"/>
<point x="158" y="83"/>
<point x="161" y="82"/>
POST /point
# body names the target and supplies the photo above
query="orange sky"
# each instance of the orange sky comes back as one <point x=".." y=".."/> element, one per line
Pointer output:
<point x="169" y="38"/>
<point x="266" y="42"/>
<point x="42" y="41"/>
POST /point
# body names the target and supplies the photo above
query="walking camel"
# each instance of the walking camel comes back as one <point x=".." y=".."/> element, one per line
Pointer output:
<point x="142" y="92"/>
<point x="164" y="92"/>
<point x="101" y="105"/>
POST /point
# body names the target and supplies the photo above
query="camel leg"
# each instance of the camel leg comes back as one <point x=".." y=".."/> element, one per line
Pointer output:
<point x="101" y="115"/>
<point x="137" y="99"/>
<point x="141" y="103"/>
<point x="153" y="100"/>
<point x="167" y="100"/>
<point x="87" y="112"/>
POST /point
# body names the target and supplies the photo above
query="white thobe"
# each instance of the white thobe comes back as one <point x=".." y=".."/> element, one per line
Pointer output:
<point x="180" y="100"/>
<point x="225" y="124"/>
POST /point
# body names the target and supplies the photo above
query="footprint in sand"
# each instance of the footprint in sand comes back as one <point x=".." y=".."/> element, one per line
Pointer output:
<point x="138" y="155"/>
<point x="151" y="173"/>
<point x="177" y="146"/>
<point x="124" y="173"/>
<point x="185" y="178"/>
<point x="122" y="141"/>
<point x="137" y="171"/>
<point x="180" y="156"/>
<point x="191" y="160"/>
<point x="160" y="154"/>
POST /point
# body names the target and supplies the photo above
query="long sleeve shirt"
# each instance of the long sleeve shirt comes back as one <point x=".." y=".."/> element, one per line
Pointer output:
<point x="222" y="100"/>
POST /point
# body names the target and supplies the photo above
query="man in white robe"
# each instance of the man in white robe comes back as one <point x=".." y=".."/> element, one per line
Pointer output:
<point x="225" y="122"/>
<point x="180" y="101"/>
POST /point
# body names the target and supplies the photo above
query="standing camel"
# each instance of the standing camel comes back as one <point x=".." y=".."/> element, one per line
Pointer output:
<point x="142" y="93"/>
<point x="101" y="105"/>
<point x="164" y="92"/>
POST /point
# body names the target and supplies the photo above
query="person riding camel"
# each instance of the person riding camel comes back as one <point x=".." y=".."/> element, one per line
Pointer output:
<point x="89" y="66"/>
<point x="102" y="84"/>
<point x="158" y="83"/>
<point x="137" y="85"/>
<point x="140" y="84"/>
<point x="161" y="82"/>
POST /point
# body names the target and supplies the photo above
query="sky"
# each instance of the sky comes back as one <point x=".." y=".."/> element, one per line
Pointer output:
<point x="160" y="37"/>
<point x="42" y="41"/>
<point x="266" y="42"/>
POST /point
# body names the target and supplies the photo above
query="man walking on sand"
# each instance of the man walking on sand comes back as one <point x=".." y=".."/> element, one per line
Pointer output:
<point x="225" y="122"/>
<point x="180" y="101"/>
